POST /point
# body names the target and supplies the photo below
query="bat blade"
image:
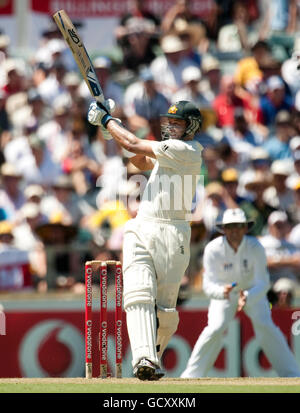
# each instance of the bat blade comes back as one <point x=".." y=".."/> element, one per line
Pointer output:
<point x="80" y="54"/>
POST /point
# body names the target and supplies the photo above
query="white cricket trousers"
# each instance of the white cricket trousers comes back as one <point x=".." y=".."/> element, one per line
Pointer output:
<point x="155" y="257"/>
<point x="270" y="337"/>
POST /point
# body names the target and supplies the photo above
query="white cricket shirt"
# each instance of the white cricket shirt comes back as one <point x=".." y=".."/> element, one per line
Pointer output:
<point x="172" y="184"/>
<point x="248" y="267"/>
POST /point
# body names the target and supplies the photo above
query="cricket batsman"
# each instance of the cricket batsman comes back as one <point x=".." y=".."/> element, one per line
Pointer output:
<point x="156" y="248"/>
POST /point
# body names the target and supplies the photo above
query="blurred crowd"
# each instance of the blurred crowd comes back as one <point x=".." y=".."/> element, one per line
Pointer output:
<point x="66" y="193"/>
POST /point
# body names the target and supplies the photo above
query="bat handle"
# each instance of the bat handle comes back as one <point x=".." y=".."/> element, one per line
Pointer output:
<point x="234" y="284"/>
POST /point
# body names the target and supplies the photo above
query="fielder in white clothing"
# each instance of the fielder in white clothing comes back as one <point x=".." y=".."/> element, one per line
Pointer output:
<point x="156" y="248"/>
<point x="235" y="278"/>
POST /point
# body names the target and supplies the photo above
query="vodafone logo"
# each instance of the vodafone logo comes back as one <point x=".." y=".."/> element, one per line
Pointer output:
<point x="52" y="348"/>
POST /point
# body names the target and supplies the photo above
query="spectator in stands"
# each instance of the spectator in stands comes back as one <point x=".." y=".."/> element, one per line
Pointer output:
<point x="53" y="85"/>
<point x="230" y="180"/>
<point x="278" y="145"/>
<point x="294" y="209"/>
<point x="136" y="44"/>
<point x="238" y="35"/>
<point x="32" y="114"/>
<point x="216" y="201"/>
<point x="25" y="236"/>
<point x="15" y="76"/>
<point x="56" y="132"/>
<point x="227" y="101"/>
<point x="15" y="271"/>
<point x="191" y="77"/>
<point x="258" y="210"/>
<point x="275" y="100"/>
<point x="284" y="291"/>
<point x="143" y="104"/>
<point x="294" y="176"/>
<point x="62" y="205"/>
<point x="167" y="69"/>
<point x="241" y="135"/>
<point x="248" y="72"/>
<point x="283" y="258"/>
<point x="211" y="77"/>
<point x="137" y="8"/>
<point x="211" y="168"/>
<point x="80" y="163"/>
<point x="278" y="195"/>
<point x="11" y="196"/>
<point x="38" y="167"/>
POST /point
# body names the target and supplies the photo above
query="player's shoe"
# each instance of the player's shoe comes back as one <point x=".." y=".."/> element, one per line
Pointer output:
<point x="158" y="374"/>
<point x="144" y="369"/>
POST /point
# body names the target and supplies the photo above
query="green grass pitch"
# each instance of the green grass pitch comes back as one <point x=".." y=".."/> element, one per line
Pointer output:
<point x="112" y="385"/>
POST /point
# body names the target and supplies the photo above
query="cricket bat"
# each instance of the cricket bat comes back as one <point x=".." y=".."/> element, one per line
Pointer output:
<point x="80" y="54"/>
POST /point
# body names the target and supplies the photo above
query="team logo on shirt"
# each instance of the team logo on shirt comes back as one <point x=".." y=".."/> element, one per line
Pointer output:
<point x="173" y="109"/>
<point x="228" y="266"/>
<point x="165" y="147"/>
<point x="245" y="264"/>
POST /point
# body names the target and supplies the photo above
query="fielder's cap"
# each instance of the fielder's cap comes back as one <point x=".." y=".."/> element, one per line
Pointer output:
<point x="172" y="44"/>
<point x="283" y="117"/>
<point x="230" y="175"/>
<point x="191" y="73"/>
<point x="30" y="210"/>
<point x="281" y="167"/>
<point x="102" y="62"/>
<point x="6" y="228"/>
<point x="275" y="82"/>
<point x="210" y="63"/>
<point x="33" y="190"/>
<point x="8" y="169"/>
<point x="295" y="143"/>
<point x="284" y="285"/>
<point x="277" y="216"/>
<point x="234" y="216"/>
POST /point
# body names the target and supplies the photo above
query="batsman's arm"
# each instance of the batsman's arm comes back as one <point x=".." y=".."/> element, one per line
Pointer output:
<point x="128" y="140"/>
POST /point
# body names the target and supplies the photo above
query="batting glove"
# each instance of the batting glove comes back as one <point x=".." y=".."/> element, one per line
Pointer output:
<point x="99" y="114"/>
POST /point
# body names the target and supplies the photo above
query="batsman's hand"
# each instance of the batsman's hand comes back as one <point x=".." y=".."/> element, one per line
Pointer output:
<point x="99" y="114"/>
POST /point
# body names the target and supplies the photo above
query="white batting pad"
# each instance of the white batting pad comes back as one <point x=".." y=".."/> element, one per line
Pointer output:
<point x="168" y="320"/>
<point x="141" y="326"/>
